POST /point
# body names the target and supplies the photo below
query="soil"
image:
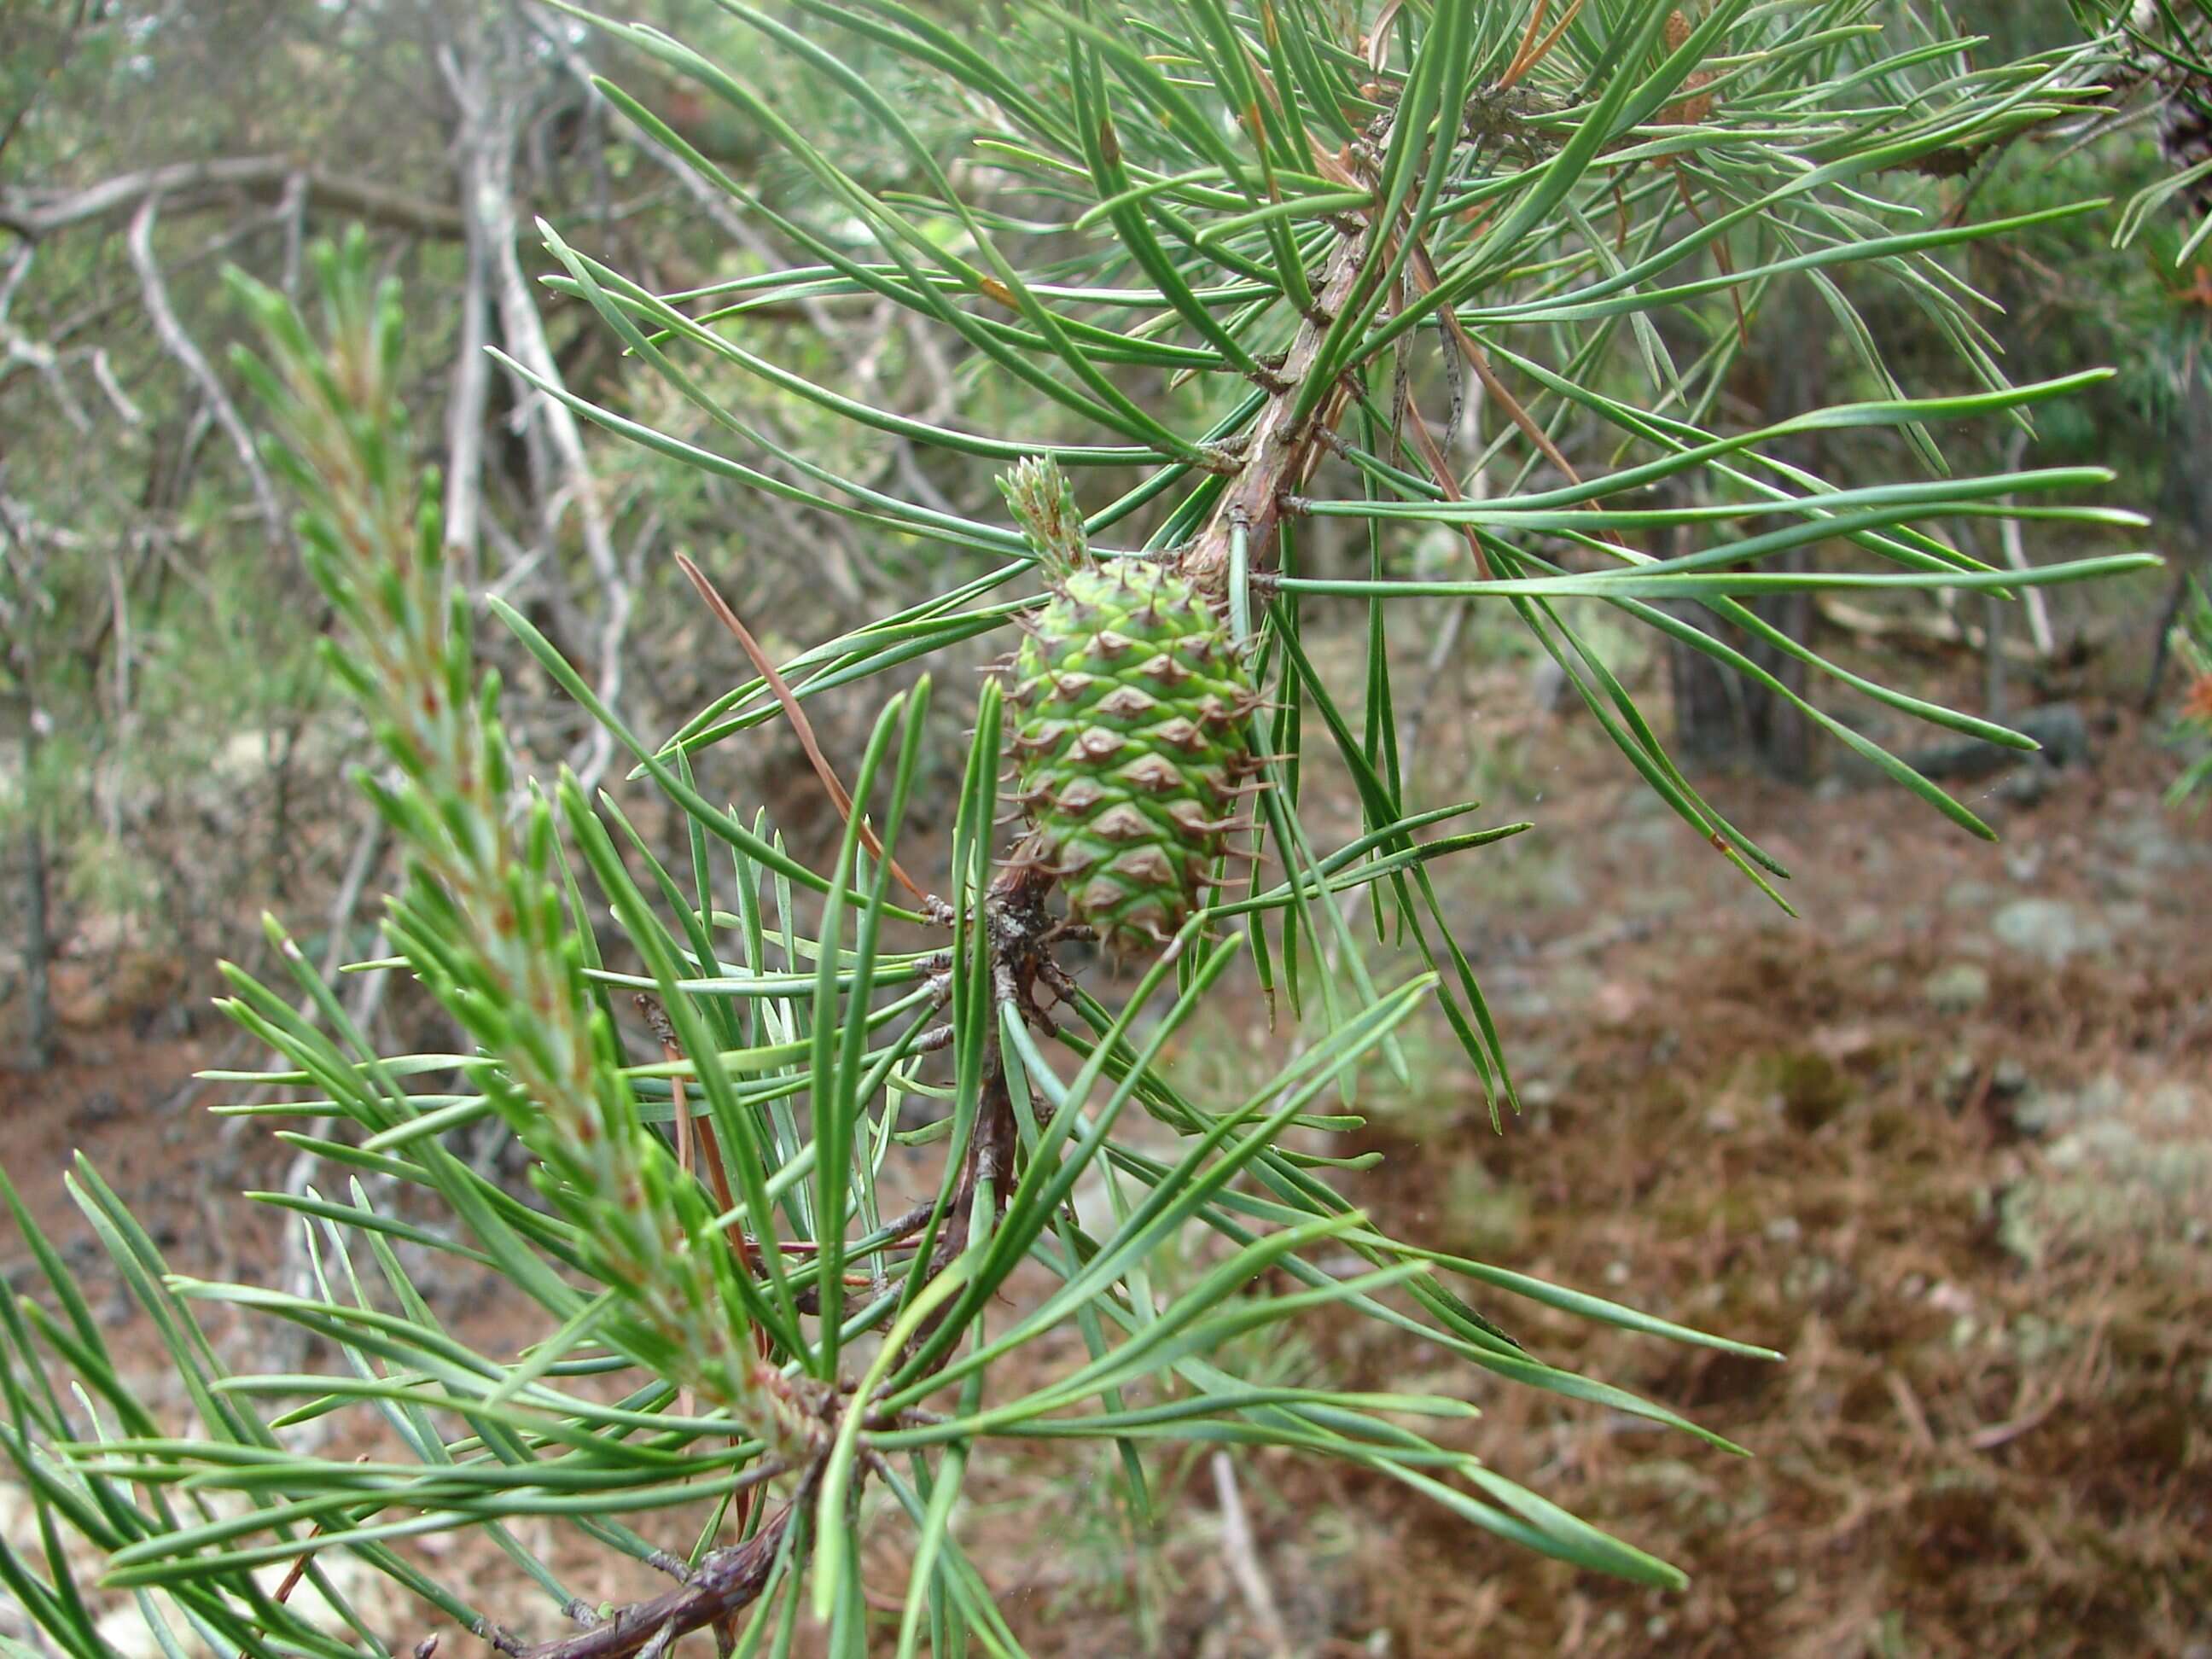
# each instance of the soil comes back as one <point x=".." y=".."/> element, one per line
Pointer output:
<point x="1946" y="1143"/>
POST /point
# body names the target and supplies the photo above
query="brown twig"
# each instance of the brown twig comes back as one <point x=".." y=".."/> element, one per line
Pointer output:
<point x="990" y="1153"/>
<point x="1281" y="446"/>
<point x="1432" y="456"/>
<point x="1282" y="451"/>
<point x="800" y="723"/>
<point x="1721" y="256"/>
<point x="898" y="1234"/>
<point x="725" y="1581"/>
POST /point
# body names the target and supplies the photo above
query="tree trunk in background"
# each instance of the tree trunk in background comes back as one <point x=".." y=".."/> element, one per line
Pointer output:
<point x="2186" y="512"/>
<point x="37" y="948"/>
<point x="1720" y="718"/>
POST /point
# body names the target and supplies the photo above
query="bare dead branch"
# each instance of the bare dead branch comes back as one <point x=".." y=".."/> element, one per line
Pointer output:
<point x="101" y="309"/>
<point x="1241" y="1558"/>
<point x="179" y="345"/>
<point x="21" y="352"/>
<point x="11" y="284"/>
<point x="492" y="107"/>
<point x="25" y="353"/>
<point x="464" y="406"/>
<point x="103" y="376"/>
<point x="194" y="186"/>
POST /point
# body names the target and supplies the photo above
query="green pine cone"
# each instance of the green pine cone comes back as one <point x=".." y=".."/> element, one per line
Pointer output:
<point x="1132" y="706"/>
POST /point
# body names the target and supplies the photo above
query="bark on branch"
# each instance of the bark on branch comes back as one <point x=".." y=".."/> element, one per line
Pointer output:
<point x="1282" y="447"/>
<point x="725" y="1581"/>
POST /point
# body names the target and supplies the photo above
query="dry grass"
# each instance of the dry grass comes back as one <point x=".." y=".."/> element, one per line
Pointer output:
<point x="1962" y="1453"/>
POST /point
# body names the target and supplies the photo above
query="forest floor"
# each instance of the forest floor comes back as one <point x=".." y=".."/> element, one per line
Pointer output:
<point x="1946" y="1142"/>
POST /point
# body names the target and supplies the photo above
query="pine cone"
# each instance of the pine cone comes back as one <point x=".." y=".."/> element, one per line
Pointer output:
<point x="1130" y="750"/>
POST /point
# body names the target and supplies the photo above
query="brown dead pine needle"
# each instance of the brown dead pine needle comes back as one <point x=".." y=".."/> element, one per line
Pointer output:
<point x="1533" y="51"/>
<point x="800" y="724"/>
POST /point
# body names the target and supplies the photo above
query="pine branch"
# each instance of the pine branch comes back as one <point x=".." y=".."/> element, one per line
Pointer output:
<point x="1243" y="251"/>
<point x="1283" y="447"/>
<point x="726" y="1581"/>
